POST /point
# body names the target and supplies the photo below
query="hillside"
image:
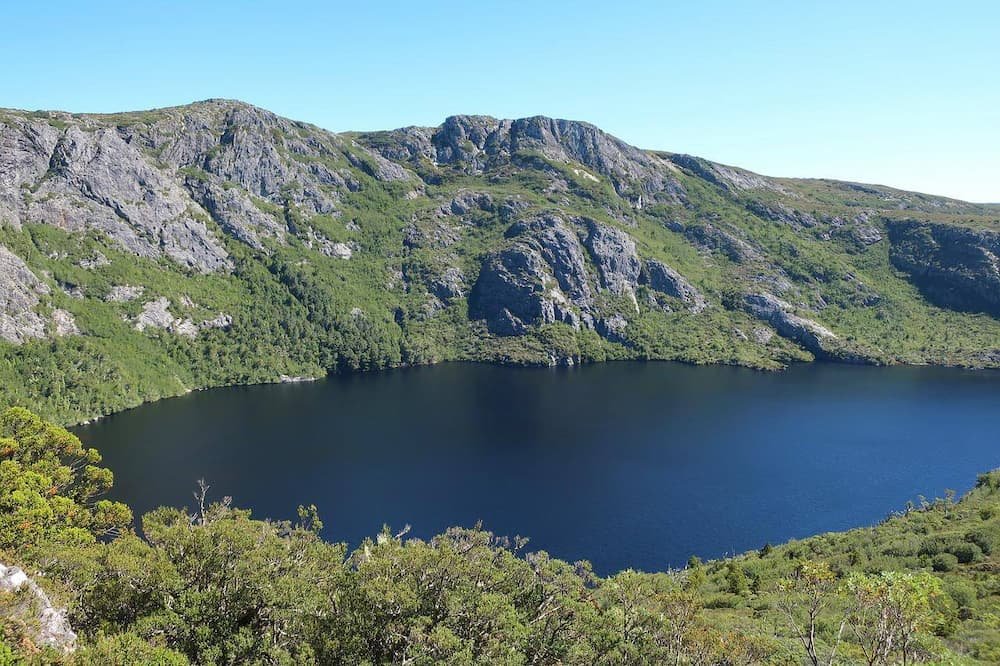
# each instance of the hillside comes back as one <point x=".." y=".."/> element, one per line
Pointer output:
<point x="147" y="254"/>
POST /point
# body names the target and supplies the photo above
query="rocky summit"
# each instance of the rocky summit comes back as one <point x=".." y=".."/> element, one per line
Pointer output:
<point x="217" y="243"/>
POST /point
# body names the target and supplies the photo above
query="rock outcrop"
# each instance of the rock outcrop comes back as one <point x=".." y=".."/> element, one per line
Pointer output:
<point x="726" y="177"/>
<point x="157" y="314"/>
<point x="957" y="267"/>
<point x="476" y="144"/>
<point x="779" y="212"/>
<point x="561" y="249"/>
<point x="516" y="289"/>
<point x="614" y="254"/>
<point x="780" y="315"/>
<point x="20" y="294"/>
<point x="122" y="293"/>
<point x="43" y="623"/>
<point x="543" y="277"/>
<point x="666" y="280"/>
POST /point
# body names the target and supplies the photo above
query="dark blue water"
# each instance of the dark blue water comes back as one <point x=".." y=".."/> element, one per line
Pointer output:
<point x="624" y="464"/>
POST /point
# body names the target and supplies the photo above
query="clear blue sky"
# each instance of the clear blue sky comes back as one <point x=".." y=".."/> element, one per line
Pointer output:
<point x="901" y="93"/>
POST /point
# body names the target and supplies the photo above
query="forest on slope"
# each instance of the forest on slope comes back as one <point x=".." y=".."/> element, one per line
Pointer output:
<point x="214" y="585"/>
<point x="147" y="254"/>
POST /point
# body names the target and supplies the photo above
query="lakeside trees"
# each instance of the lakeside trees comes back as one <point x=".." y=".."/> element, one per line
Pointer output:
<point x="217" y="586"/>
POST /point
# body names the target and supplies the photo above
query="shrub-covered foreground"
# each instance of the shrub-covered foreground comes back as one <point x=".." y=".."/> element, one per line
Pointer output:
<point x="215" y="586"/>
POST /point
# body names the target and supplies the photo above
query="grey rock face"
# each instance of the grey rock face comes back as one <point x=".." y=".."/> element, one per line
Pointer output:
<point x="25" y="150"/>
<point x="514" y="291"/>
<point x="325" y="246"/>
<point x="122" y="195"/>
<point x="235" y="212"/>
<point x="20" y="294"/>
<point x="561" y="249"/>
<point x="377" y="166"/>
<point x="48" y="626"/>
<point x="866" y="234"/>
<point x="449" y="285"/>
<point x="665" y="279"/>
<point x="134" y="181"/>
<point x="156" y="314"/>
<point x="613" y="252"/>
<point x="543" y="278"/>
<point x="956" y="267"/>
<point x="613" y="328"/>
<point x="779" y="314"/>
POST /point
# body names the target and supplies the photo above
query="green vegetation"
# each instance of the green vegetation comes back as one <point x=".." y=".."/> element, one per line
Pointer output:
<point x="216" y="586"/>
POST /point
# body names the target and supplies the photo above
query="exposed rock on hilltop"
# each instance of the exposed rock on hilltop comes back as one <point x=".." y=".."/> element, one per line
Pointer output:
<point x="476" y="144"/>
<point x="521" y="240"/>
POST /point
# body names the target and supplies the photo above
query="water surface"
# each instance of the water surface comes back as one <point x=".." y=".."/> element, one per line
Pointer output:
<point x="625" y="464"/>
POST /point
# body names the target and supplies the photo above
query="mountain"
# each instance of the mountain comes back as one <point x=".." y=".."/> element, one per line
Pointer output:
<point x="147" y="254"/>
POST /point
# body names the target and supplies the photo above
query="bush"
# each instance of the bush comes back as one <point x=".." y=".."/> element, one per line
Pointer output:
<point x="127" y="649"/>
<point x="986" y="538"/>
<point x="938" y="544"/>
<point x="945" y="562"/>
<point x="966" y="552"/>
<point x="962" y="592"/>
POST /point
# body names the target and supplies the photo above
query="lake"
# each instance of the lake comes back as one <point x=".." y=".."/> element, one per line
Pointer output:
<point x="625" y="464"/>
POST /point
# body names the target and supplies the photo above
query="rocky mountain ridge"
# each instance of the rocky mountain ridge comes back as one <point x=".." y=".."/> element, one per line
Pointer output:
<point x="233" y="245"/>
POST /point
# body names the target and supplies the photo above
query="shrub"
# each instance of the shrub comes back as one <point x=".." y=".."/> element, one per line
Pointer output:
<point x="986" y="538"/>
<point x="966" y="552"/>
<point x="962" y="592"/>
<point x="945" y="562"/>
<point x="938" y="544"/>
<point x="126" y="649"/>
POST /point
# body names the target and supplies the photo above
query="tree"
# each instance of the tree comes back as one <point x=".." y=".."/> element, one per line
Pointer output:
<point x="736" y="578"/>
<point x="889" y="612"/>
<point x="804" y="598"/>
<point x="50" y="485"/>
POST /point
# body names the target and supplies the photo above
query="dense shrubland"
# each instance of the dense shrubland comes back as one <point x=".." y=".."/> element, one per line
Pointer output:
<point x="214" y="585"/>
